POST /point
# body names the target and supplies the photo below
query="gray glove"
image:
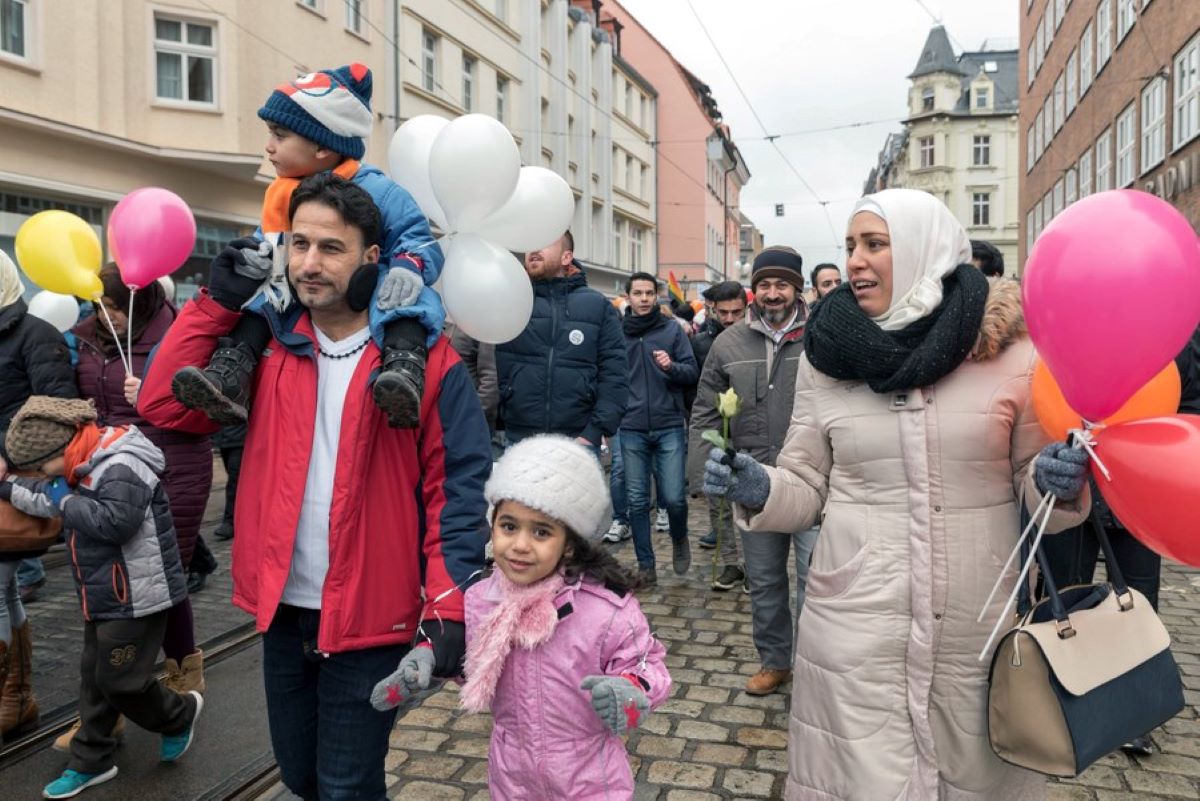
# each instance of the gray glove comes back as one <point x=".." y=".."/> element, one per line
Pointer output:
<point x="400" y="288"/>
<point x="255" y="263"/>
<point x="1061" y="470"/>
<point x="741" y="481"/>
<point x="618" y="703"/>
<point x="413" y="674"/>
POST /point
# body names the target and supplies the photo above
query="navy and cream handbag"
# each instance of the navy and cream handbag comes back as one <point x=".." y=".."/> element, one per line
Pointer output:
<point x="1084" y="671"/>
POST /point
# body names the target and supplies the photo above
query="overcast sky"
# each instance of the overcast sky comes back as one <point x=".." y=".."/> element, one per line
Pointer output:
<point x="808" y="64"/>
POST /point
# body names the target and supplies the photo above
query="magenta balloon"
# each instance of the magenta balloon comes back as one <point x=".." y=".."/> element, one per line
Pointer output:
<point x="151" y="233"/>
<point x="1111" y="293"/>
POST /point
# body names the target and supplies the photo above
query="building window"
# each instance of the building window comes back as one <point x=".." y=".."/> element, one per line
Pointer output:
<point x="1072" y="186"/>
<point x="618" y="240"/>
<point x="1104" y="33"/>
<point x="502" y="10"/>
<point x="981" y="151"/>
<point x="13" y="28"/>
<point x="429" y="48"/>
<point x="501" y="96"/>
<point x="1057" y="194"/>
<point x="1085" y="173"/>
<point x="309" y="4"/>
<point x="1187" y="93"/>
<point x="185" y="54"/>
<point x="1072" y="81"/>
<point x="641" y="120"/>
<point x="630" y="173"/>
<point x="1060" y="11"/>
<point x="1047" y="209"/>
<point x="1104" y="176"/>
<point x="637" y="237"/>
<point x="1087" y="69"/>
<point x="1126" y="15"/>
<point x="1039" y="125"/>
<point x="1154" y="123"/>
<point x="981" y="97"/>
<point x="468" y="83"/>
<point x="1060" y="103"/>
<point x="925" y="143"/>
<point x="1039" y="218"/>
<point x="1030" y="147"/>
<point x="981" y="208"/>
<point x="1030" y="63"/>
<point x="1126" y="140"/>
<point x="356" y="16"/>
<point x="1030" y="233"/>
<point x="926" y="100"/>
<point x="1041" y="43"/>
<point x="628" y="100"/>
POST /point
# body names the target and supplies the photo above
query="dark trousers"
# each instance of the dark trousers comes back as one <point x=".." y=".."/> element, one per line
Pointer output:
<point x="329" y="741"/>
<point x="1073" y="554"/>
<point x="232" y="459"/>
<point x="116" y="677"/>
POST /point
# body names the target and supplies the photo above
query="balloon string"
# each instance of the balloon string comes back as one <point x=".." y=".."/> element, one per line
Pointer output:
<point x="432" y="242"/>
<point x="1086" y="440"/>
<point x="1037" y="513"/>
<point x="129" y="330"/>
<point x="116" y="336"/>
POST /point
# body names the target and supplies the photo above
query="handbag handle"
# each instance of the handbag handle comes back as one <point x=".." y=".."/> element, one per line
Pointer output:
<point x="1115" y="576"/>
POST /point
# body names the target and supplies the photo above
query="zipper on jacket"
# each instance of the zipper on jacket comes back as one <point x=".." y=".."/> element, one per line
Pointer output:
<point x="646" y="381"/>
<point x="550" y="356"/>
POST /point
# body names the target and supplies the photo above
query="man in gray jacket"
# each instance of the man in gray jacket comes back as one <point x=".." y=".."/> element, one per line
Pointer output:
<point x="758" y="358"/>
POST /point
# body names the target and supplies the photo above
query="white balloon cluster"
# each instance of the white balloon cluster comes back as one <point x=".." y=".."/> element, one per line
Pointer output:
<point x="466" y="176"/>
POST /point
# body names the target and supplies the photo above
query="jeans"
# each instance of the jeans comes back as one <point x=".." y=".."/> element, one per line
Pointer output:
<point x="663" y="454"/>
<point x="12" y="613"/>
<point x="329" y="741"/>
<point x="1073" y="554"/>
<point x="30" y="571"/>
<point x="616" y="481"/>
<point x="232" y="459"/>
<point x="772" y="623"/>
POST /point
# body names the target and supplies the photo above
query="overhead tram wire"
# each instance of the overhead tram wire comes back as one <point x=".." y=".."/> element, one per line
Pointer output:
<point x="767" y="136"/>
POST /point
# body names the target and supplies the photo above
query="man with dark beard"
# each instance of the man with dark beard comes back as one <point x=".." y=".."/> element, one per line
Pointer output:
<point x="758" y="358"/>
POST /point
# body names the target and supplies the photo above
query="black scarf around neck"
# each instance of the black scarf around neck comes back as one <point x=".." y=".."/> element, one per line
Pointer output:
<point x="637" y="326"/>
<point x="844" y="343"/>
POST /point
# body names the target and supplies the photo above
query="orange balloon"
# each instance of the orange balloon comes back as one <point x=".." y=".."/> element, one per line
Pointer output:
<point x="1157" y="398"/>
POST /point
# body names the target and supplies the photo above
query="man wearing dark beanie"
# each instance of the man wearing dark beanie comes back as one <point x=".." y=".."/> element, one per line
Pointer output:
<point x="758" y="359"/>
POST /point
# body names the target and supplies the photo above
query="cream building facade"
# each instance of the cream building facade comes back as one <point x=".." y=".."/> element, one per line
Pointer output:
<point x="960" y="141"/>
<point x="119" y="94"/>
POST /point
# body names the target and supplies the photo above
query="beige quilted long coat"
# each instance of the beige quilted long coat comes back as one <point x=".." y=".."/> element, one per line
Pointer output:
<point x="918" y="492"/>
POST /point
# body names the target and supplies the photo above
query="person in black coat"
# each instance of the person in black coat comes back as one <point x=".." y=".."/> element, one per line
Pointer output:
<point x="566" y="372"/>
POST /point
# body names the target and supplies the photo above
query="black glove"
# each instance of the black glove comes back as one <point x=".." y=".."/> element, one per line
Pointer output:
<point x="449" y="641"/>
<point x="238" y="271"/>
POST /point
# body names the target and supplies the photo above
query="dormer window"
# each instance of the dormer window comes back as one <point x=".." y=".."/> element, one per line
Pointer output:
<point x="982" y="97"/>
<point x="927" y="99"/>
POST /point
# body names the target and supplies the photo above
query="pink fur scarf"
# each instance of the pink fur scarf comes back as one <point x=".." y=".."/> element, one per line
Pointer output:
<point x="525" y="617"/>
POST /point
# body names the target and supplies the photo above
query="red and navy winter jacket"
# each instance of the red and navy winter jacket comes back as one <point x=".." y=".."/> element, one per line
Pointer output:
<point x="407" y="524"/>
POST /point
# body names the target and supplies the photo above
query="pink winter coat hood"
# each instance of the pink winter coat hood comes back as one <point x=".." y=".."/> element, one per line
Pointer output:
<point x="547" y="742"/>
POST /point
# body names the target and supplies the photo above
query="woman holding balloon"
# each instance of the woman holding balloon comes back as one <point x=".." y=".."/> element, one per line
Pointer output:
<point x="112" y="385"/>
<point x="913" y="442"/>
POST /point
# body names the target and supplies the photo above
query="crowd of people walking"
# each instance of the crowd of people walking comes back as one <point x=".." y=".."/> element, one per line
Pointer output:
<point x="416" y="506"/>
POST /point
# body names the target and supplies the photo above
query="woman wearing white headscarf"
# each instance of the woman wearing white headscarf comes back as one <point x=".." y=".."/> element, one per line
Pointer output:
<point x="34" y="360"/>
<point x="912" y="438"/>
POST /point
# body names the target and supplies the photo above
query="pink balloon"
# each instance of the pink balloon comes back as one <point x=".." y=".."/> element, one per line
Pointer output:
<point x="151" y="233"/>
<point x="1112" y="293"/>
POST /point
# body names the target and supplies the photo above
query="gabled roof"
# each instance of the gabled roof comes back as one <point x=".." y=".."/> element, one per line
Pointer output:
<point x="937" y="55"/>
<point x="998" y="65"/>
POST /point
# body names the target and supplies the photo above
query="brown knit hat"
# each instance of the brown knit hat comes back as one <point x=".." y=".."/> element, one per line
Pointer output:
<point x="43" y="428"/>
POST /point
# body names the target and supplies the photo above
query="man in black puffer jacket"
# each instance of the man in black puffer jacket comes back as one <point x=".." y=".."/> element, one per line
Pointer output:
<point x="566" y="373"/>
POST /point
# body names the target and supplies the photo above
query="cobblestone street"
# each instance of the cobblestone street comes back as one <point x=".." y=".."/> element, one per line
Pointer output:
<point x="712" y="741"/>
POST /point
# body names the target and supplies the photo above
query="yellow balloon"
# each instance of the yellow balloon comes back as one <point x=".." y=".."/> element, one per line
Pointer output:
<point x="61" y="253"/>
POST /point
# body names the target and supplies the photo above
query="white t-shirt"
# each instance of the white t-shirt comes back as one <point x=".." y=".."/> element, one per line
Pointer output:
<point x="310" y="555"/>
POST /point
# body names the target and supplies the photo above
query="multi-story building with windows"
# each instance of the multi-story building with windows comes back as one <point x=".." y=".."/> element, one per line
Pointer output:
<point x="959" y="141"/>
<point x="1110" y="99"/>
<point x="120" y="94"/>
<point x="700" y="171"/>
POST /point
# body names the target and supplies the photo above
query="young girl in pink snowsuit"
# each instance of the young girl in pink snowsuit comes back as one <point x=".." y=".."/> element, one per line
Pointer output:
<point x="557" y="646"/>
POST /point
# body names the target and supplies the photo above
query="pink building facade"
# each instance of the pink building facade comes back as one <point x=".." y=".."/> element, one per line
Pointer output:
<point x="699" y="169"/>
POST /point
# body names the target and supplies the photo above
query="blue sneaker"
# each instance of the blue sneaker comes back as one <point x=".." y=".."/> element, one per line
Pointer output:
<point x="72" y="783"/>
<point x="173" y="747"/>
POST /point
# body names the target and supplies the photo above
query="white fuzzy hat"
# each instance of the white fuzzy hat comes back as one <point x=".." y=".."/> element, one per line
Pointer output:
<point x="558" y="477"/>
